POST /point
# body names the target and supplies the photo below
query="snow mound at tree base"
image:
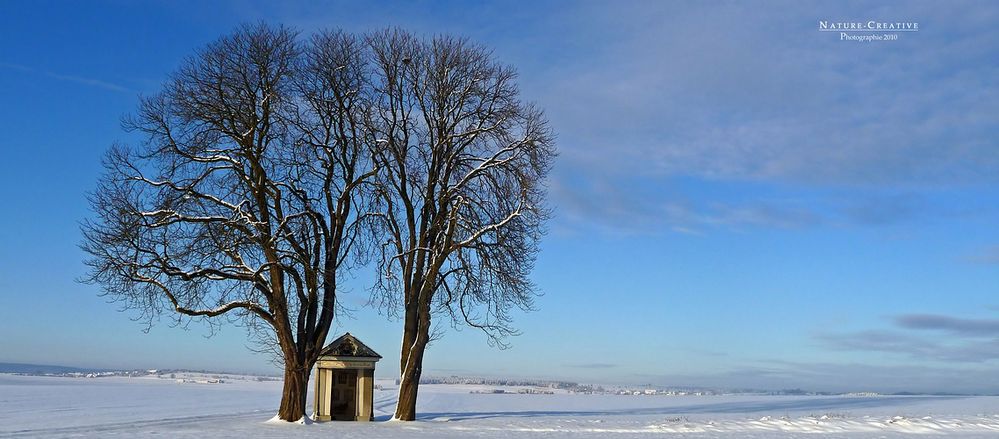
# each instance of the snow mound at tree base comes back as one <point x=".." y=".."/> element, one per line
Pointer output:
<point x="276" y="420"/>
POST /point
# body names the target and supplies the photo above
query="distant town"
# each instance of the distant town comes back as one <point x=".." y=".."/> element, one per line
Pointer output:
<point x="180" y="375"/>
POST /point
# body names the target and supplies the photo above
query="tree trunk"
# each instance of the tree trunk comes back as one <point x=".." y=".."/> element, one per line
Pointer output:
<point x="294" y="393"/>
<point x="409" y="383"/>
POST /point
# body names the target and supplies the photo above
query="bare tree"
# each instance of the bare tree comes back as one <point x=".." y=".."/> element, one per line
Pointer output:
<point x="461" y="185"/>
<point x="245" y="200"/>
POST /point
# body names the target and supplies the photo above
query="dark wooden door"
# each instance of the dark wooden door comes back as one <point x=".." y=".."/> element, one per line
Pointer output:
<point x="344" y="398"/>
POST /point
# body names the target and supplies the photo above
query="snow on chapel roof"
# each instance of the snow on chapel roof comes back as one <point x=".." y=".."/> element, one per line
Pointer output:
<point x="348" y="346"/>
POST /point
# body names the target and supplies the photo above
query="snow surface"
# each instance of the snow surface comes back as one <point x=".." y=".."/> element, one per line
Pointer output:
<point x="141" y="407"/>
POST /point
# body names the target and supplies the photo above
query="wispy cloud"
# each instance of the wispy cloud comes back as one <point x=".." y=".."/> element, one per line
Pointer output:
<point x="885" y="209"/>
<point x="641" y="204"/>
<point x="955" y="325"/>
<point x="966" y="341"/>
<point x="640" y="207"/>
<point x="915" y="347"/>
<point x="744" y="104"/>
<point x="985" y="255"/>
<point x="91" y="82"/>
<point x="880" y="341"/>
<point x="659" y="98"/>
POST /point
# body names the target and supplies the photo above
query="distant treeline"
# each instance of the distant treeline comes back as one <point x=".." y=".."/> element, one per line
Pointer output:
<point x="568" y="385"/>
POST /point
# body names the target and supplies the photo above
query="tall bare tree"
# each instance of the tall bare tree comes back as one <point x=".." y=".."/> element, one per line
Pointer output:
<point x="461" y="185"/>
<point x="246" y="198"/>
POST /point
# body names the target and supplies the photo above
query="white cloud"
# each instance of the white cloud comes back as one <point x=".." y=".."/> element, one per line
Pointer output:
<point x="732" y="92"/>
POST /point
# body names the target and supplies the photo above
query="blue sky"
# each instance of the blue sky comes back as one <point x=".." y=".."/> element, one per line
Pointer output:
<point x="741" y="200"/>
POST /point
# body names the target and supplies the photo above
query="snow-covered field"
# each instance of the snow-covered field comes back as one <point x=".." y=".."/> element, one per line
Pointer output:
<point x="150" y="407"/>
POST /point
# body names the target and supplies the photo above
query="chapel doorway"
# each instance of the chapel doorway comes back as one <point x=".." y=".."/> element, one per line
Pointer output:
<point x="344" y="397"/>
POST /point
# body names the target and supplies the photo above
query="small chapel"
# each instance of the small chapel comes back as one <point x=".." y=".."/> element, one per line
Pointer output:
<point x="345" y="381"/>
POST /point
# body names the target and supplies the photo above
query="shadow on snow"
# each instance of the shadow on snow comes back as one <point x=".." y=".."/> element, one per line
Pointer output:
<point x="725" y="408"/>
